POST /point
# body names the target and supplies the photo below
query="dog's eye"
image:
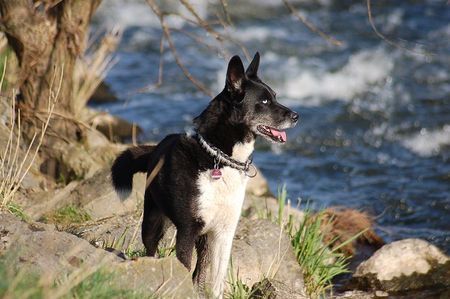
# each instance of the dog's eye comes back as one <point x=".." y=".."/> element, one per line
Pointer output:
<point x="265" y="101"/>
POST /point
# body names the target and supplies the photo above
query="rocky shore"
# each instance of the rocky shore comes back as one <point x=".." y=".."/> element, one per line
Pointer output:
<point x="105" y="236"/>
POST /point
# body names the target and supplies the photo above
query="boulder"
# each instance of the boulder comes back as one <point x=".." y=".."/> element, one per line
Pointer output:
<point x="113" y="127"/>
<point x="163" y="278"/>
<point x="103" y="94"/>
<point x="261" y="250"/>
<point x="274" y="289"/>
<point x="405" y="265"/>
<point x="97" y="196"/>
<point x="39" y="248"/>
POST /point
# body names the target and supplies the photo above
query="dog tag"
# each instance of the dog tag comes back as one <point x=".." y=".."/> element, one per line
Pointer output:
<point x="216" y="173"/>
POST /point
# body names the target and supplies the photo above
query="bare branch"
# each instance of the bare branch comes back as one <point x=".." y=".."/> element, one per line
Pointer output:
<point x="168" y="36"/>
<point x="390" y="42"/>
<point x="310" y="25"/>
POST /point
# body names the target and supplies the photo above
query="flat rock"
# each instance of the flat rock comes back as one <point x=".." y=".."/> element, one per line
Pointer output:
<point x="262" y="250"/>
<point x="97" y="196"/>
<point x="405" y="265"/>
<point x="41" y="249"/>
<point x="164" y="277"/>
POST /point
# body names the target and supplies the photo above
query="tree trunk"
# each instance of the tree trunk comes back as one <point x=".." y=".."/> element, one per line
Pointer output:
<point x="47" y="37"/>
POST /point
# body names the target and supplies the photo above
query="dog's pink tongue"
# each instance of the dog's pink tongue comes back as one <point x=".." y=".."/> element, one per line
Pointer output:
<point x="277" y="133"/>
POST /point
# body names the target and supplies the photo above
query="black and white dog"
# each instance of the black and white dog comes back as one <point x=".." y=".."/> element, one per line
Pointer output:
<point x="198" y="181"/>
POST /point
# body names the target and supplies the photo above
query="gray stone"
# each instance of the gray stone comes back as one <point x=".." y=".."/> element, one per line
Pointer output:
<point x="165" y="277"/>
<point x="103" y="94"/>
<point x="355" y="294"/>
<point x="39" y="248"/>
<point x="113" y="127"/>
<point x="274" y="289"/>
<point x="404" y="265"/>
<point x="261" y="249"/>
<point x="98" y="197"/>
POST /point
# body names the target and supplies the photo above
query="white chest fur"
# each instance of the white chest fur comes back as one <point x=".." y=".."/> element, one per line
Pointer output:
<point x="220" y="201"/>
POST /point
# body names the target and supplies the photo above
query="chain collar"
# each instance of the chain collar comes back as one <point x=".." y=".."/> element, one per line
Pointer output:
<point x="221" y="158"/>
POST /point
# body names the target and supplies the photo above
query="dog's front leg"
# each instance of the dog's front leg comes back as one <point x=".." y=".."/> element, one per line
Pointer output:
<point x="220" y="244"/>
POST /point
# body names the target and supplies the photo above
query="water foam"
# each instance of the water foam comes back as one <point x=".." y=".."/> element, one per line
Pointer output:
<point x="362" y="70"/>
<point x="428" y="143"/>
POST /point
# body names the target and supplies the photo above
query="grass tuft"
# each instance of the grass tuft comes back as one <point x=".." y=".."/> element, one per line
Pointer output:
<point x="17" y="211"/>
<point x="15" y="283"/>
<point x="67" y="215"/>
<point x="319" y="261"/>
<point x="237" y="288"/>
<point x="320" y="264"/>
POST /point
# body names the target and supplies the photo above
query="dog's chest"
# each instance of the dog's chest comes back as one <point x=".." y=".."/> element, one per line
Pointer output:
<point x="220" y="200"/>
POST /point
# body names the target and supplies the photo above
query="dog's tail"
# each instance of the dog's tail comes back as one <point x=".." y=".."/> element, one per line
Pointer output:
<point x="133" y="160"/>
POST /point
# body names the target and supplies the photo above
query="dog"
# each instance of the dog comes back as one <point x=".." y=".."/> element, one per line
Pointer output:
<point x="198" y="181"/>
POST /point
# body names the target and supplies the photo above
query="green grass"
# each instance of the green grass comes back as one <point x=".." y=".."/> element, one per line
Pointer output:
<point x="67" y="215"/>
<point x="99" y="285"/>
<point x="17" y="211"/>
<point x="15" y="283"/>
<point x="237" y="288"/>
<point x="319" y="262"/>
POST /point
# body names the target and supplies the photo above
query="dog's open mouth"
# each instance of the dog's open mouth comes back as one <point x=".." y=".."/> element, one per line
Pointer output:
<point x="272" y="133"/>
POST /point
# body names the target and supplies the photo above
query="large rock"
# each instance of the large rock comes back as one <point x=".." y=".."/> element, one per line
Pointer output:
<point x="39" y="248"/>
<point x="103" y="94"/>
<point x="261" y="249"/>
<point x="163" y="278"/>
<point x="405" y="265"/>
<point x="114" y="127"/>
<point x="54" y="255"/>
<point x="98" y="197"/>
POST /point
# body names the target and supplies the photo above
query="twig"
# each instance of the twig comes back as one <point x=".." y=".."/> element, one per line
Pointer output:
<point x="390" y="42"/>
<point x="202" y="22"/>
<point x="158" y="83"/>
<point x="224" y="4"/>
<point x="310" y="25"/>
<point x="173" y="49"/>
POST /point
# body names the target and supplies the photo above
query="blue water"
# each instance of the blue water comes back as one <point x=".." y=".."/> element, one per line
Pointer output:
<point x="375" y="119"/>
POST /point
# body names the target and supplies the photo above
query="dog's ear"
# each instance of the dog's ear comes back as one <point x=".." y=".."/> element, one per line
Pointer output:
<point x="252" y="70"/>
<point x="235" y="75"/>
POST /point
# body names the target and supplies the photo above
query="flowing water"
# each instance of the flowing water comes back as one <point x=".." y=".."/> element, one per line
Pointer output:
<point x="374" y="132"/>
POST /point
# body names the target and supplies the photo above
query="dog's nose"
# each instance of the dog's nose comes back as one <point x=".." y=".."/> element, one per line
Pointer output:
<point x="294" y="116"/>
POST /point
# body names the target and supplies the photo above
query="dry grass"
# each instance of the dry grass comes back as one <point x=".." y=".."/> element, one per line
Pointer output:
<point x="14" y="165"/>
<point x="340" y="225"/>
<point x="92" y="69"/>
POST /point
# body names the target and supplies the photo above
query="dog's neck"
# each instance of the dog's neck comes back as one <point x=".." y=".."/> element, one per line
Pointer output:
<point x="217" y="126"/>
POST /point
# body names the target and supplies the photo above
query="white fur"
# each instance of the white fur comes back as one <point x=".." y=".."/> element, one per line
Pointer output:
<point x="220" y="204"/>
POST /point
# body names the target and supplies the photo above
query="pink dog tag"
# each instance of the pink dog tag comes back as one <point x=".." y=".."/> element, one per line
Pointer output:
<point x="216" y="173"/>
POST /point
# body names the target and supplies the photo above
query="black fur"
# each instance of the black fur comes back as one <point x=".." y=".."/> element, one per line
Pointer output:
<point x="132" y="160"/>
<point x="232" y="116"/>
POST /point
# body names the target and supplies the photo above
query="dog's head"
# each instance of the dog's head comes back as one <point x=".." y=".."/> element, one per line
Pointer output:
<point x="255" y="102"/>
